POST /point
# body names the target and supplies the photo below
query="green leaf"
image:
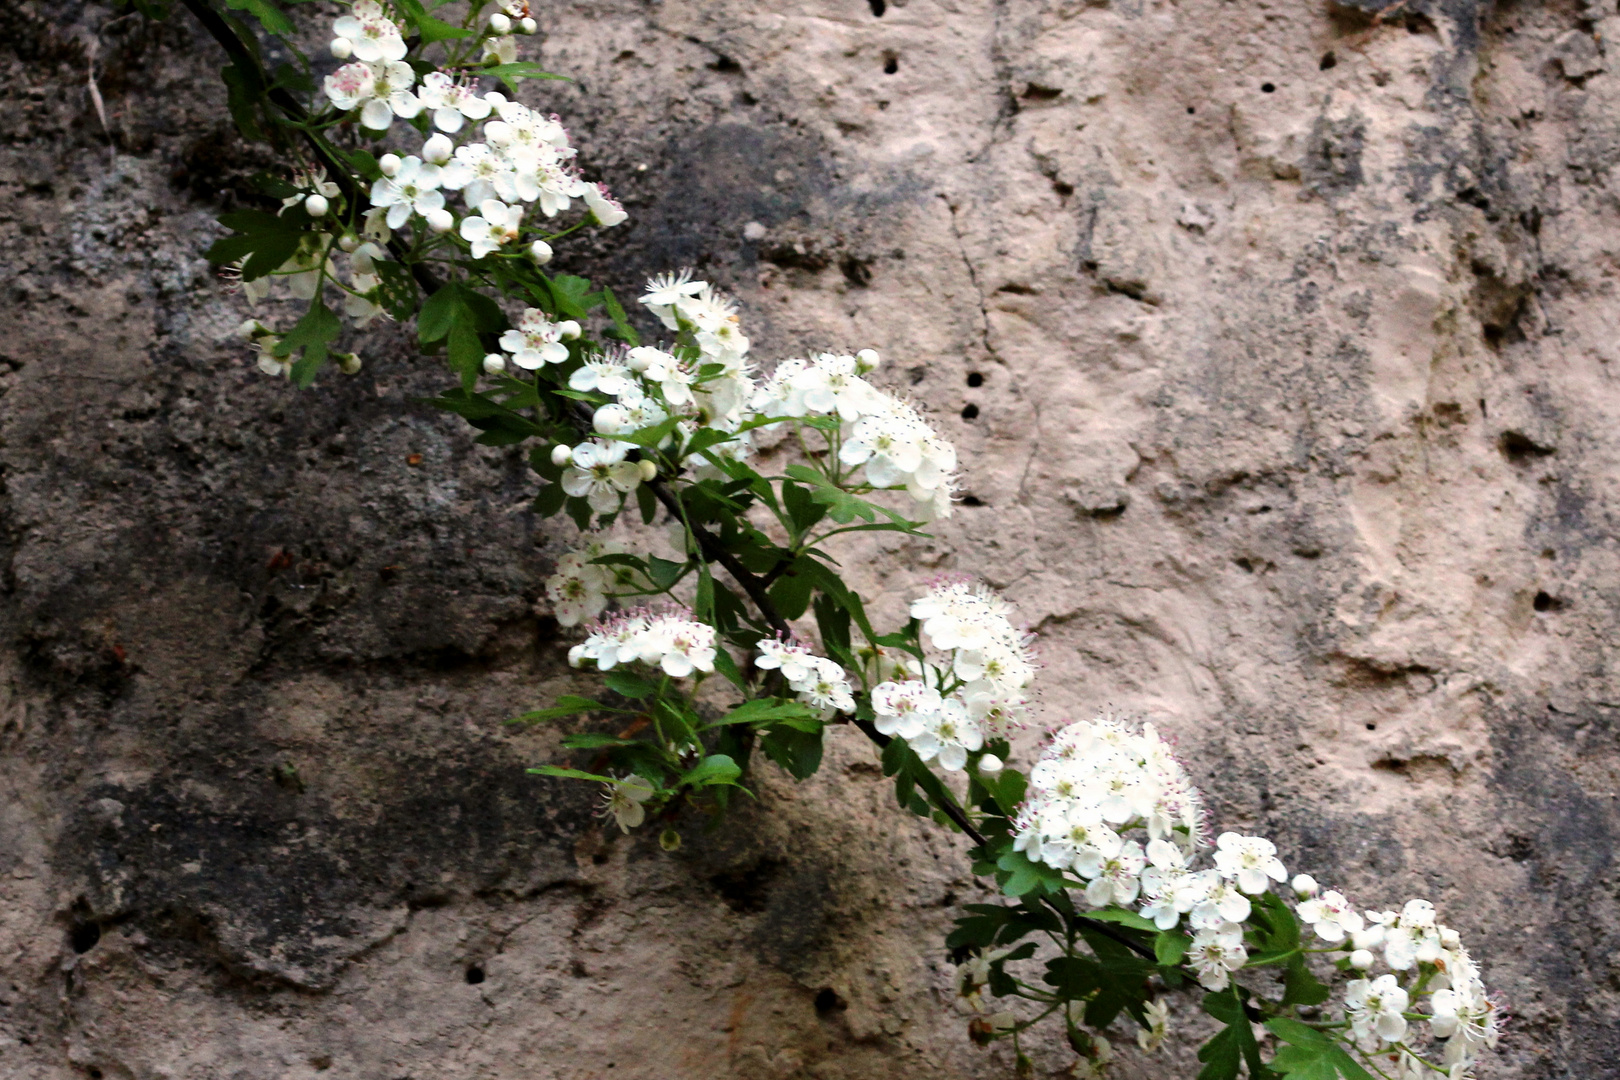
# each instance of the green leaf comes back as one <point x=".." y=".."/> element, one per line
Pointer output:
<point x="791" y="594"/>
<point x="1311" y="1054"/>
<point x="550" y="500"/>
<point x="703" y="602"/>
<point x="396" y="292"/>
<point x="433" y="322"/>
<point x="664" y="572"/>
<point x="726" y="666"/>
<point x="269" y="16"/>
<point x="762" y="710"/>
<point x="571" y="774"/>
<point x="1170" y="948"/>
<point x="647" y="503"/>
<point x="593" y="740"/>
<point x="797" y="751"/>
<point x="1300" y="986"/>
<point x="1234" y="1044"/>
<point x="712" y="770"/>
<point x="464" y="352"/>
<point x="1025" y="877"/>
<point x="1124" y="918"/>
<point x="628" y="685"/>
<point x="621" y="326"/>
<point x="522" y="69"/>
<point x="263" y="240"/>
<point x="567" y="705"/>
<point x="433" y="30"/>
<point x="311" y="334"/>
<point x="802" y="510"/>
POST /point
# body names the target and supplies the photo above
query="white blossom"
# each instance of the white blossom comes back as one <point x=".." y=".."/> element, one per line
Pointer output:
<point x="1374" y="1009"/>
<point x="453" y="103"/>
<point x="1331" y="916"/>
<point x="1215" y="953"/>
<point x="600" y="475"/>
<point x="1248" y="860"/>
<point x="369" y="34"/>
<point x="381" y="91"/>
<point x="415" y="187"/>
<point x="494" y="226"/>
<point x="622" y="801"/>
<point x="537" y="341"/>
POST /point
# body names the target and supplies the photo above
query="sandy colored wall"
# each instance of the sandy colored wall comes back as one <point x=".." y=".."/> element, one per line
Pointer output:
<point x="1279" y="347"/>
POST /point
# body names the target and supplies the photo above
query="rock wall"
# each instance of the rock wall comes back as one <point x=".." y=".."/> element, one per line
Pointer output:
<point x="1277" y="340"/>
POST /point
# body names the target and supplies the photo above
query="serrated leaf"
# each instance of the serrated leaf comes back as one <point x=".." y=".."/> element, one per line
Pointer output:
<point x="712" y="770"/>
<point x="570" y="774"/>
<point x="567" y="705"/>
<point x="433" y="30"/>
<point x="628" y="685"/>
<point x="1123" y="918"/>
<point x="766" y="709"/>
<point x="1170" y="948"/>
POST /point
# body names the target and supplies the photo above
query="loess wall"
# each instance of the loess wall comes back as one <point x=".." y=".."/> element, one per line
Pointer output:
<point x="1279" y="342"/>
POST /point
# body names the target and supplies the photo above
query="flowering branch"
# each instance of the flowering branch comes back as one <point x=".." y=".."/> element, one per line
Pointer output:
<point x="1096" y="849"/>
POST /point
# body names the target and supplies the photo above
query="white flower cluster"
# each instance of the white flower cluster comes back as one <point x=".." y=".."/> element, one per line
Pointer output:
<point x="887" y="436"/>
<point x="945" y="710"/>
<point x="666" y="638"/>
<point x="1423" y="955"/>
<point x="581" y="587"/>
<point x="599" y="473"/>
<point x="820" y="683"/>
<point x="1100" y="780"/>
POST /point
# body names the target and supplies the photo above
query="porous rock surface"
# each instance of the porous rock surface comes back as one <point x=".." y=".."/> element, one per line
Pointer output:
<point x="1278" y="340"/>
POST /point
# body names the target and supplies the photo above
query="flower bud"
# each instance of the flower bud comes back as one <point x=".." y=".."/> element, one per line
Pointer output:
<point x="439" y="220"/>
<point x="348" y="363"/>
<point x="611" y="419"/>
<point x="342" y="48"/>
<point x="562" y="454"/>
<point x="1361" y="959"/>
<point x="568" y="329"/>
<point x="540" y="252"/>
<point x="500" y="24"/>
<point x="316" y="205"/>
<point x="494" y="363"/>
<point x="866" y="360"/>
<point x="528" y="26"/>
<point x="389" y="164"/>
<point x="1305" y="886"/>
<point x="991" y="764"/>
<point x="252" y="328"/>
<point x="348" y="242"/>
<point x="438" y="149"/>
<point x="649" y="470"/>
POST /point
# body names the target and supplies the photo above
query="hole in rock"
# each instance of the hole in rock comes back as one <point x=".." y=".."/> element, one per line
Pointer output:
<point x="970" y="411"/>
<point x="972" y="500"/>
<point x="891" y="64"/>
<point x="1329" y="62"/>
<point x="975" y="379"/>
<point x="878" y="7"/>
<point x="84" y="937"/>
<point x="1544" y="602"/>
<point x="1191" y="110"/>
<point x="828" y="1000"/>
<point x="1372" y="727"/>
<point x="1063" y="190"/>
<point x="1266" y="88"/>
<point x="475" y="975"/>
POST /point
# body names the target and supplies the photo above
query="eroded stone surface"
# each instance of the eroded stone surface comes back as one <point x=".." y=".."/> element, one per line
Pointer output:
<point x="1277" y="343"/>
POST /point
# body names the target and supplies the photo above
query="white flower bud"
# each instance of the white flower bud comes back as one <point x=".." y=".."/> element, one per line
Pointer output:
<point x="568" y="329"/>
<point x="528" y="26"/>
<point x="649" y="469"/>
<point x="562" y="454"/>
<point x="611" y="419"/>
<point x="348" y="242"/>
<point x="1305" y="886"/>
<point x="389" y="164"/>
<point x="1361" y="959"/>
<point x="252" y="328"/>
<point x="438" y="149"/>
<point x="341" y="48"/>
<point x="500" y="23"/>
<point x="991" y="764"/>
<point x="348" y="363"/>
<point x="540" y="252"/>
<point x="494" y="364"/>
<point x="439" y="219"/>
<point x="866" y="360"/>
<point x="316" y="205"/>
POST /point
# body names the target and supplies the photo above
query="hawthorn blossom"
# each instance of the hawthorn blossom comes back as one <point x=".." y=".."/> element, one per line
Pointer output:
<point x="607" y="210"/>
<point x="494" y="226"/>
<point x="1331" y="916"/>
<point x="607" y="373"/>
<point x="600" y="475"/>
<point x="480" y="174"/>
<point x="414" y="188"/>
<point x="948" y="734"/>
<point x="1118" y="881"/>
<point x="381" y="91"/>
<point x="1374" y="1009"/>
<point x="537" y="341"/>
<point x="622" y="801"/>
<point x="453" y="103"/>
<point x="904" y="710"/>
<point x="1249" y="860"/>
<point x="369" y="34"/>
<point x="1215" y="953"/>
<point x="666" y="292"/>
<point x="578" y="590"/>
